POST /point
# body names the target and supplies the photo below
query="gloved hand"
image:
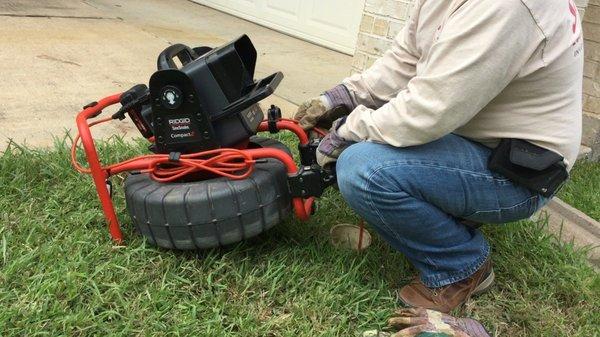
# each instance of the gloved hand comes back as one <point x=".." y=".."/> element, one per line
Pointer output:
<point x="419" y="322"/>
<point x="325" y="109"/>
<point x="311" y="111"/>
<point x="332" y="146"/>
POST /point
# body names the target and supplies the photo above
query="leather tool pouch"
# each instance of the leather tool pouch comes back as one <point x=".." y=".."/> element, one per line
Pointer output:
<point x="529" y="165"/>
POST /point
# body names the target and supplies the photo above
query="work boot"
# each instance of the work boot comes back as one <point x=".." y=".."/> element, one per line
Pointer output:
<point x="447" y="298"/>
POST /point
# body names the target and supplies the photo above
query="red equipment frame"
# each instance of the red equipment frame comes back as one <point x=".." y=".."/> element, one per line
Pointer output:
<point x="100" y="174"/>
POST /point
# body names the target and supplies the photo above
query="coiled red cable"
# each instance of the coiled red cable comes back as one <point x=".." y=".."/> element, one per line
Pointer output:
<point x="230" y="163"/>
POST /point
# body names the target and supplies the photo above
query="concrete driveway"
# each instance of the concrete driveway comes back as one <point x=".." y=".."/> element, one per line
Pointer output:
<point x="58" y="55"/>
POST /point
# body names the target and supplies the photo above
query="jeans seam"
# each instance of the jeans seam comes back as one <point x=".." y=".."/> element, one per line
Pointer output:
<point x="372" y="204"/>
<point x="500" y="209"/>
<point x="434" y="165"/>
<point x="381" y="219"/>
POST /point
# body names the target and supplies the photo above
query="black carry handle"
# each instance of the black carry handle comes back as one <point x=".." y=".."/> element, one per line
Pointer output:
<point x="184" y="53"/>
<point x="201" y="51"/>
<point x="261" y="90"/>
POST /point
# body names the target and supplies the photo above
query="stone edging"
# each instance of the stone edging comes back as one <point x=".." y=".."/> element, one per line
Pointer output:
<point x="572" y="225"/>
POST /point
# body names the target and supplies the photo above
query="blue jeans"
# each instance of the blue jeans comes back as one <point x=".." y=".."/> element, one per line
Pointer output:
<point x="416" y="198"/>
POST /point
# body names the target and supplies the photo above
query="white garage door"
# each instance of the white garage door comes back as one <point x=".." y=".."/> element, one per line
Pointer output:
<point x="331" y="23"/>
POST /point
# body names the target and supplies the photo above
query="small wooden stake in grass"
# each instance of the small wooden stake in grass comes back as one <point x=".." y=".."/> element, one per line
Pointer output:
<point x="361" y="235"/>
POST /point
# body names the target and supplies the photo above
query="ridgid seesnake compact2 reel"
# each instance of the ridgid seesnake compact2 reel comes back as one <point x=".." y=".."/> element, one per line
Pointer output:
<point x="208" y="180"/>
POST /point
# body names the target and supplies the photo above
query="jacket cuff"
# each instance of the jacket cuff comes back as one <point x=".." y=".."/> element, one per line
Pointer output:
<point x="340" y="96"/>
<point x="344" y="132"/>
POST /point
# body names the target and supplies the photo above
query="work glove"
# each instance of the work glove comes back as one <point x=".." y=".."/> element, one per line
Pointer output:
<point x="332" y="146"/>
<point x="322" y="111"/>
<point x="419" y="322"/>
<point x="311" y="111"/>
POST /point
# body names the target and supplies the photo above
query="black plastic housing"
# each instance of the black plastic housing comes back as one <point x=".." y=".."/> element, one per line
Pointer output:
<point x="211" y="100"/>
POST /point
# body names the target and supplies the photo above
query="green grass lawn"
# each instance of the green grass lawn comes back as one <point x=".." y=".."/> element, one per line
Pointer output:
<point x="61" y="275"/>
<point x="582" y="190"/>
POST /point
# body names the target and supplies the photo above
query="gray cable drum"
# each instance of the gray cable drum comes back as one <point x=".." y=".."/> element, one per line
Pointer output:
<point x="210" y="213"/>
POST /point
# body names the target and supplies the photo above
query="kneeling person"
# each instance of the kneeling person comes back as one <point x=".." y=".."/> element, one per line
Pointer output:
<point x="413" y="155"/>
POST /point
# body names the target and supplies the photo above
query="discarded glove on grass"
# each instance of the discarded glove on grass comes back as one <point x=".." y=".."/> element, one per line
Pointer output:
<point x="419" y="322"/>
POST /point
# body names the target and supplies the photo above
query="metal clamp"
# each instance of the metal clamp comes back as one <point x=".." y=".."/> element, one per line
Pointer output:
<point x="274" y="115"/>
<point x="308" y="152"/>
<point x="310" y="181"/>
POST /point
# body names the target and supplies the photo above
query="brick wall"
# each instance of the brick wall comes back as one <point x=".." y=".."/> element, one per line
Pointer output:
<point x="591" y="79"/>
<point x="384" y="19"/>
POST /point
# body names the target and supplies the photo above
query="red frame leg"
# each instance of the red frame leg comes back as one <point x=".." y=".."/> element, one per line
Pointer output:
<point x="98" y="174"/>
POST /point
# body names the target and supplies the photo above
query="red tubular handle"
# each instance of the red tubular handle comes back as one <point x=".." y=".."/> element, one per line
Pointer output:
<point x="290" y="126"/>
<point x="98" y="174"/>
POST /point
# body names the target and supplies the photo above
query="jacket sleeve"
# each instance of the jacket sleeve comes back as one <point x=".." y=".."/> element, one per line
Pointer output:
<point x="481" y="49"/>
<point x="389" y="74"/>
